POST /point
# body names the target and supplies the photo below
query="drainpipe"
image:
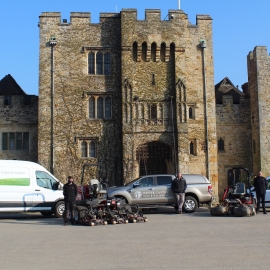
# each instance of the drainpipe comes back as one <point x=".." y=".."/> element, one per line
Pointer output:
<point x="52" y="43"/>
<point x="203" y="46"/>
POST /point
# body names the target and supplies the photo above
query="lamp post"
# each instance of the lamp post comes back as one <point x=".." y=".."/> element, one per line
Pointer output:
<point x="203" y="46"/>
<point x="52" y="43"/>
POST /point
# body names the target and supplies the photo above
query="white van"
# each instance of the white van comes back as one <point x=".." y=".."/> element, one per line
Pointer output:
<point x="27" y="186"/>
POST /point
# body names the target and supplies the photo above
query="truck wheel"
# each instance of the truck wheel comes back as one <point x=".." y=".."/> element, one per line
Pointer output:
<point x="190" y="205"/>
<point x="59" y="209"/>
<point x="46" y="213"/>
<point x="123" y="199"/>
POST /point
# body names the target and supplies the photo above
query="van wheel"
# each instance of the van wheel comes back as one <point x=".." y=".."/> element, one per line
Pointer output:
<point x="46" y="213"/>
<point x="59" y="209"/>
<point x="190" y="205"/>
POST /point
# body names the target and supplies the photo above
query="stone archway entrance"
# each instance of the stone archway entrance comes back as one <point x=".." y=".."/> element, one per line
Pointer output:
<point x="154" y="158"/>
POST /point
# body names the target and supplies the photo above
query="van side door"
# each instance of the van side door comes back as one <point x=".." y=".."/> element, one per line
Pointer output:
<point x="16" y="189"/>
<point x="46" y="191"/>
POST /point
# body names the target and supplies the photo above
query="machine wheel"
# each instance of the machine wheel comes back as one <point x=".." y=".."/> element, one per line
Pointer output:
<point x="218" y="211"/>
<point x="190" y="204"/>
<point x="113" y="222"/>
<point x="79" y="213"/>
<point x="46" y="213"/>
<point x="241" y="211"/>
<point x="59" y="209"/>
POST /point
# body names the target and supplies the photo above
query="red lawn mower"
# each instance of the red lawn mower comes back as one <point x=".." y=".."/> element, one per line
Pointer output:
<point x="237" y="198"/>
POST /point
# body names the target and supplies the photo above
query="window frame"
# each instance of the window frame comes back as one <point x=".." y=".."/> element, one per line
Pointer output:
<point x="98" y="110"/>
<point x="10" y="141"/>
<point x="88" y="142"/>
<point x="99" y="62"/>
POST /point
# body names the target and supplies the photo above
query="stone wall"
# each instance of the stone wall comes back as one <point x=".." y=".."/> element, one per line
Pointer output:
<point x="258" y="80"/>
<point x="233" y="127"/>
<point x="18" y="117"/>
<point x="73" y="87"/>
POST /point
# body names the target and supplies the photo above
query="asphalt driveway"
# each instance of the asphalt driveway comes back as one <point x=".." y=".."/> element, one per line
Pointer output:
<point x="167" y="241"/>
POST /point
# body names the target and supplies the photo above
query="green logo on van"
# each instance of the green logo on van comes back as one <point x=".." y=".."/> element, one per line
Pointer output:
<point x="15" y="182"/>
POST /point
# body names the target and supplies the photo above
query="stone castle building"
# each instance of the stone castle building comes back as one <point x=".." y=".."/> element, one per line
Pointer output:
<point x="18" y="122"/>
<point x="138" y="97"/>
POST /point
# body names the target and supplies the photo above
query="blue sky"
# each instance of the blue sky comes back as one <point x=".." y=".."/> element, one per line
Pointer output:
<point x="238" y="26"/>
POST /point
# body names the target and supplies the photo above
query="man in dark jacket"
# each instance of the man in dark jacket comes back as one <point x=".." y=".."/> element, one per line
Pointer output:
<point x="70" y="193"/>
<point x="260" y="185"/>
<point x="179" y="186"/>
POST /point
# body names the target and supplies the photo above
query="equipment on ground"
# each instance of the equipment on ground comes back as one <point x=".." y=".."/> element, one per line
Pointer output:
<point x="94" y="208"/>
<point x="237" y="200"/>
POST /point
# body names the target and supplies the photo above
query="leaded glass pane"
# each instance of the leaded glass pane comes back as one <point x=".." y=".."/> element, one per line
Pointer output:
<point x="92" y="149"/>
<point x="99" y="63"/>
<point x="83" y="149"/>
<point x="91" y="63"/>
<point x="108" y="107"/>
<point x="92" y="107"/>
<point x="26" y="141"/>
<point x="12" y="141"/>
<point x="107" y="63"/>
<point x="19" y="141"/>
<point x="100" y="107"/>
<point x="4" y="141"/>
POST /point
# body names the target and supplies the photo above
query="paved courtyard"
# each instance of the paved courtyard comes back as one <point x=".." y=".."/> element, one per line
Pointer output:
<point x="167" y="241"/>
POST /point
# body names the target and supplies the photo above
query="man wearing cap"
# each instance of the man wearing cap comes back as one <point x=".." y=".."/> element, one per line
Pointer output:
<point x="70" y="193"/>
<point x="179" y="186"/>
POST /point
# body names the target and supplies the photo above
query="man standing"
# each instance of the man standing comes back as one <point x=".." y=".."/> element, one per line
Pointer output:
<point x="260" y="185"/>
<point x="179" y="187"/>
<point x="70" y="193"/>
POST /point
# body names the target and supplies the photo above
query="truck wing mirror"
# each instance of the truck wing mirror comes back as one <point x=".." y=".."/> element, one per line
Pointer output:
<point x="136" y="184"/>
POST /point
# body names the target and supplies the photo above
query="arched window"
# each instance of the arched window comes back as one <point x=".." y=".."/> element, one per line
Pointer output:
<point x="92" y="107"/>
<point x="191" y="148"/>
<point x="83" y="149"/>
<point x="100" y="107"/>
<point x="162" y="51"/>
<point x="107" y="63"/>
<point x="153" y="51"/>
<point x="144" y="51"/>
<point x="99" y="63"/>
<point x="172" y="52"/>
<point x="220" y="145"/>
<point x="91" y="63"/>
<point x="190" y="113"/>
<point x="92" y="150"/>
<point x="108" y="107"/>
<point x="135" y="51"/>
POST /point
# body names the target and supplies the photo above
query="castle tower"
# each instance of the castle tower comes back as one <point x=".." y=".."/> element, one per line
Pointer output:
<point x="163" y="106"/>
<point x="258" y="81"/>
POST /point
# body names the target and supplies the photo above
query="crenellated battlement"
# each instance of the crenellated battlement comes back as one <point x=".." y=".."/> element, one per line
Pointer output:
<point x="131" y="14"/>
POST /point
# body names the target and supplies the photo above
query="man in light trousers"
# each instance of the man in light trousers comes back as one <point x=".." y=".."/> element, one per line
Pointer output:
<point x="179" y="186"/>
